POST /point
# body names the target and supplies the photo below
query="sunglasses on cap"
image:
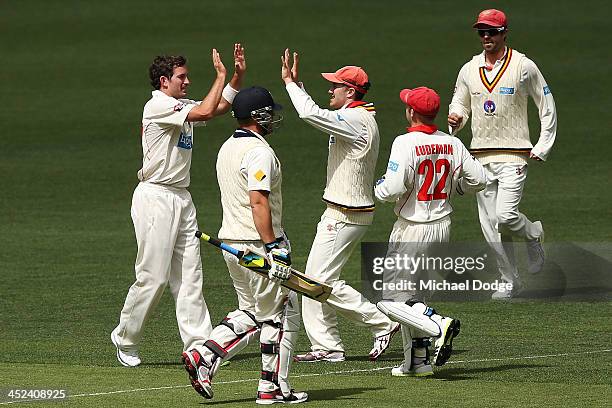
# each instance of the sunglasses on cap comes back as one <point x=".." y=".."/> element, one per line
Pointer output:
<point x="491" y="32"/>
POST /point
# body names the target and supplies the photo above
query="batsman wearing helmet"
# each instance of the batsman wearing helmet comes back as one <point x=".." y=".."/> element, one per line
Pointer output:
<point x="424" y="167"/>
<point x="162" y="209"/>
<point x="353" y="151"/>
<point x="249" y="176"/>
<point x="494" y="87"/>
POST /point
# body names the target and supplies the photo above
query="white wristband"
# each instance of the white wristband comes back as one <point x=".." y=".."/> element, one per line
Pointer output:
<point x="229" y="93"/>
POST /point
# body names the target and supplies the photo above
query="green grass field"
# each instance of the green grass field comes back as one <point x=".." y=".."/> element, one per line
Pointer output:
<point x="75" y="81"/>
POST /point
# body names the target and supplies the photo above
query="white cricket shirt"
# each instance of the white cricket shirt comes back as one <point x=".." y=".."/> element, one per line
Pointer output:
<point x="497" y="97"/>
<point x="246" y="162"/>
<point x="167" y="140"/>
<point x="352" y="155"/>
<point x="425" y="166"/>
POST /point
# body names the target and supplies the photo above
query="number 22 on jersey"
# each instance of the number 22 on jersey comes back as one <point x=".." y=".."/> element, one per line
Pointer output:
<point x="434" y="172"/>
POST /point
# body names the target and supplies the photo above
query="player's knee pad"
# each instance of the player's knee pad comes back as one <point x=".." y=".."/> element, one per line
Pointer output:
<point x="270" y="340"/>
<point x="420" y="350"/>
<point x="291" y="327"/>
<point x="413" y="313"/>
<point x="234" y="333"/>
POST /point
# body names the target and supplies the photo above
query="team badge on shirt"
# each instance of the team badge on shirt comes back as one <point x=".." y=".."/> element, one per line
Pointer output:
<point x="185" y="141"/>
<point x="546" y="90"/>
<point x="489" y="108"/>
<point x="260" y="175"/>
<point x="393" y="166"/>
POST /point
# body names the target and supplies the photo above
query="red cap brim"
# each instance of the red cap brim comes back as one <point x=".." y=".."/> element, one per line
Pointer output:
<point x="331" y="77"/>
<point x="404" y="95"/>
<point x="485" y="22"/>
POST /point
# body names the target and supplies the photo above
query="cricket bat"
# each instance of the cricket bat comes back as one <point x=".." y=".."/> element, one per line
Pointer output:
<point x="260" y="264"/>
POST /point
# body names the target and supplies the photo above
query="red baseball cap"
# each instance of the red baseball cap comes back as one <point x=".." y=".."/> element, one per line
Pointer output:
<point x="352" y="76"/>
<point x="491" y="18"/>
<point x="423" y="100"/>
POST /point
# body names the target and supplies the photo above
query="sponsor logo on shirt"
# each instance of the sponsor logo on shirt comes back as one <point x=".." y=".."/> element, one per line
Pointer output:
<point x="260" y="175"/>
<point x="185" y="141"/>
<point x="475" y="93"/>
<point x="546" y="90"/>
<point x="489" y="108"/>
<point x="332" y="140"/>
<point x="340" y="118"/>
<point x="393" y="166"/>
<point x="506" y="91"/>
<point x="178" y="107"/>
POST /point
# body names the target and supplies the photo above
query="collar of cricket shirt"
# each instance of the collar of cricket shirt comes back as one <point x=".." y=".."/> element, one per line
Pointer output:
<point x="241" y="132"/>
<point x="369" y="106"/>
<point x="483" y="60"/>
<point x="429" y="129"/>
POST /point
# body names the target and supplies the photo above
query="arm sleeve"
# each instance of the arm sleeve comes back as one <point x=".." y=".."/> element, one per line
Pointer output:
<point x="259" y="166"/>
<point x="540" y="92"/>
<point x="169" y="111"/>
<point x="398" y="177"/>
<point x="344" y="123"/>
<point x="472" y="176"/>
<point x="461" y="104"/>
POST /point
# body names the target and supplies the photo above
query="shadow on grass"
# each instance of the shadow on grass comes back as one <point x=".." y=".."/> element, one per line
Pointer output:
<point x="162" y="363"/>
<point x="393" y="356"/>
<point x="456" y="374"/>
<point x="390" y="357"/>
<point x="313" y="395"/>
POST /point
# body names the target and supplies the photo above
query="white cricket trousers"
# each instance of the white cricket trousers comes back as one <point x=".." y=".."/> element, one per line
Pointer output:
<point x="332" y="246"/>
<point x="257" y="295"/>
<point x="275" y="308"/>
<point x="499" y="215"/>
<point x="168" y="253"/>
<point x="412" y="239"/>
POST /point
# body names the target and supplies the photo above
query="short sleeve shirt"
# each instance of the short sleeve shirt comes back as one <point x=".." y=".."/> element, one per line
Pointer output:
<point x="260" y="168"/>
<point x="167" y="140"/>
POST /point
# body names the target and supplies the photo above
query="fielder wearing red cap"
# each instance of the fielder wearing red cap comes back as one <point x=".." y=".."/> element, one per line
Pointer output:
<point x="423" y="100"/>
<point x="425" y="167"/>
<point x="491" y="18"/>
<point x="494" y="87"/>
<point x="353" y="151"/>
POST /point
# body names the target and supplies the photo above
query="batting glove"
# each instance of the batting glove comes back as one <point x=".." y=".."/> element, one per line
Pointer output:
<point x="280" y="261"/>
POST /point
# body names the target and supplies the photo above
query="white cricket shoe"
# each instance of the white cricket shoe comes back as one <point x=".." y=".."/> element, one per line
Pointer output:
<point x="320" y="355"/>
<point x="508" y="294"/>
<point x="382" y="343"/>
<point x="277" y="397"/>
<point x="535" y="253"/>
<point x="443" y="345"/>
<point x="419" y="370"/>
<point x="199" y="372"/>
<point x="127" y="359"/>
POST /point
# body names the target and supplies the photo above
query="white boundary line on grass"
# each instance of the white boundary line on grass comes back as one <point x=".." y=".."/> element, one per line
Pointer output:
<point x="484" y="360"/>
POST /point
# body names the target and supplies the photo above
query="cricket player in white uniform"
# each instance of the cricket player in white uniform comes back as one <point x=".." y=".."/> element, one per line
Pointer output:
<point x="249" y="176"/>
<point x="494" y="87"/>
<point x="353" y="151"/>
<point x="425" y="167"/>
<point x="162" y="209"/>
